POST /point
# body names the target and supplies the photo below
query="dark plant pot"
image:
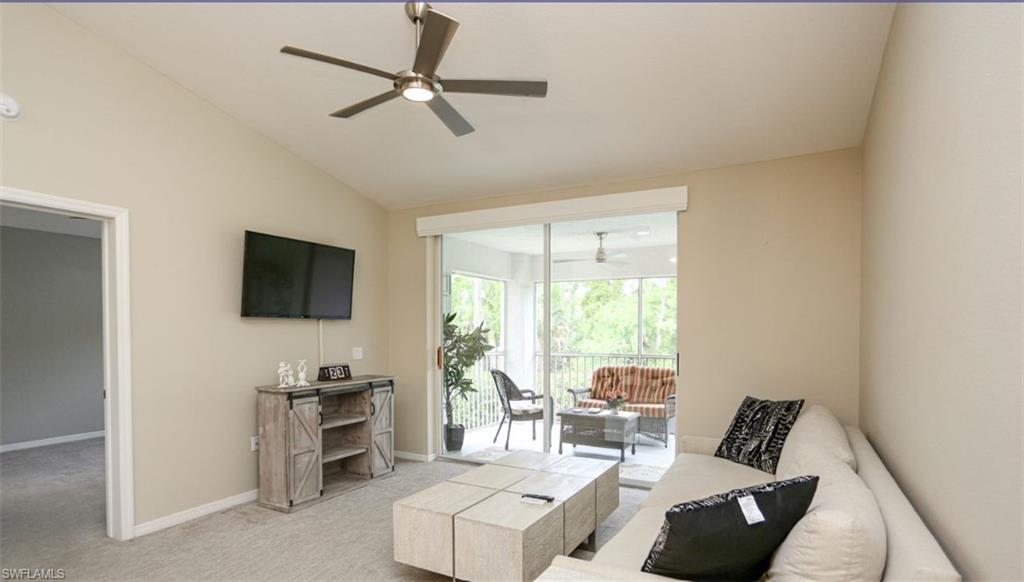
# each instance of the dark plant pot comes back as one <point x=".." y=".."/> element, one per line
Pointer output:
<point x="453" y="437"/>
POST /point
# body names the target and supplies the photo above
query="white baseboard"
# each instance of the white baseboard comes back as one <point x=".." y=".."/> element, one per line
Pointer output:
<point x="418" y="457"/>
<point x="195" y="512"/>
<point x="70" y="438"/>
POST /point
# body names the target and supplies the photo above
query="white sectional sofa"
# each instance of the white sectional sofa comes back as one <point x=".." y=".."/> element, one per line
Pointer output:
<point x="860" y="526"/>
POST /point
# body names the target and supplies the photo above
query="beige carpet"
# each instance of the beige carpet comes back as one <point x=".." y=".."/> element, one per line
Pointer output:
<point x="51" y="516"/>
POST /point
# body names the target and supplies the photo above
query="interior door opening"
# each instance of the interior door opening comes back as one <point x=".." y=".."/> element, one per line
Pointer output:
<point x="53" y="467"/>
<point x="612" y="285"/>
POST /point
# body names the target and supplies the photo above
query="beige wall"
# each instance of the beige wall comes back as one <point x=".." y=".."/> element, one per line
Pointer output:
<point x="101" y="126"/>
<point x="769" y="264"/>
<point x="941" y="344"/>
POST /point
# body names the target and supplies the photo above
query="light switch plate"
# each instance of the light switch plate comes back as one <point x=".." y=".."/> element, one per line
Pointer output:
<point x="254" y="443"/>
<point x="357" y="353"/>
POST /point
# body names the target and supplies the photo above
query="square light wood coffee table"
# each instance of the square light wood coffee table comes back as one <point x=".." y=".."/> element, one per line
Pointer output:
<point x="476" y="525"/>
<point x="424" y="524"/>
<point x="502" y="538"/>
<point x="527" y="460"/>
<point x="577" y="497"/>
<point x="605" y="475"/>
<point x="492" y="476"/>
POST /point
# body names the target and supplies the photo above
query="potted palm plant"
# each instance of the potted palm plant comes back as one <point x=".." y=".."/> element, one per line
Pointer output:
<point x="463" y="348"/>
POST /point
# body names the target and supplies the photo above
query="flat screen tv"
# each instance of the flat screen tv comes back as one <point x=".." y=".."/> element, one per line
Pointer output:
<point x="284" y="277"/>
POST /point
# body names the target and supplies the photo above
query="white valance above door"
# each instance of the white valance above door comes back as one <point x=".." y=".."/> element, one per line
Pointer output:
<point x="672" y="199"/>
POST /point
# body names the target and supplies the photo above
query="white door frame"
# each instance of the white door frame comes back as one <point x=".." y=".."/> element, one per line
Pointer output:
<point x="432" y="228"/>
<point x="117" y="349"/>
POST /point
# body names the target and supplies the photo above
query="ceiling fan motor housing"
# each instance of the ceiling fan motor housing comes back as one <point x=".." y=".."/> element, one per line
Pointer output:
<point x="416" y="11"/>
<point x="411" y="80"/>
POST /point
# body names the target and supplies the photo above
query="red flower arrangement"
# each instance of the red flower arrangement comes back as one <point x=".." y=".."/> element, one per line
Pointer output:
<point x="615" y="399"/>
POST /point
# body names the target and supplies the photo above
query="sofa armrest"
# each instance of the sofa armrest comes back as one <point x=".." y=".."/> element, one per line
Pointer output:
<point x="699" y="445"/>
<point x="577" y="392"/>
<point x="564" y="568"/>
<point x="670" y="406"/>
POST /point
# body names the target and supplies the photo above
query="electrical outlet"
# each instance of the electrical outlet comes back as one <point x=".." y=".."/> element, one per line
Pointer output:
<point x="254" y="443"/>
<point x="357" y="353"/>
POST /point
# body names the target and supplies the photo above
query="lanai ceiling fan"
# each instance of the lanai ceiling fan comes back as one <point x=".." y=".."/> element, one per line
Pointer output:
<point x="600" y="255"/>
<point x="434" y="32"/>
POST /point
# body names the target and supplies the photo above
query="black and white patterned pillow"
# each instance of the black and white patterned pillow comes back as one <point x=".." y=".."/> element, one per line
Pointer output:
<point x="715" y="538"/>
<point x="758" y="432"/>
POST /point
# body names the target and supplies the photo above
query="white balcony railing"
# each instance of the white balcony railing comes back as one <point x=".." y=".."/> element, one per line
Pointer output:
<point x="483" y="407"/>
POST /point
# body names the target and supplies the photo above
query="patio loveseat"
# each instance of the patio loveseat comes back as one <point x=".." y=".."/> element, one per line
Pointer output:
<point x="651" y="392"/>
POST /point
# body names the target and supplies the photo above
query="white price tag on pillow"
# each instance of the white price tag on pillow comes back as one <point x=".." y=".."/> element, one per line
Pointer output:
<point x="750" y="510"/>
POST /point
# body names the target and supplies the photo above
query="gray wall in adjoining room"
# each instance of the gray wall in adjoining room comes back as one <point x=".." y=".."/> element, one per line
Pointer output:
<point x="51" y="335"/>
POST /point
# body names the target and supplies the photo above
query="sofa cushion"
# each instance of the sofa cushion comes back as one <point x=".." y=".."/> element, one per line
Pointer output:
<point x="629" y="548"/>
<point x="912" y="552"/>
<point x="693" y="476"/>
<point x="842" y="537"/>
<point x="730" y="535"/>
<point x="653" y="385"/>
<point x="639" y="384"/>
<point x="652" y="410"/>
<point x="608" y="380"/>
<point x="816" y="431"/>
<point x="758" y="432"/>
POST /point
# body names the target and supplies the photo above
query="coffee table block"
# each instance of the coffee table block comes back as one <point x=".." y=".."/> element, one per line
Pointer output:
<point x="492" y="476"/>
<point x="605" y="475"/>
<point x="424" y="528"/>
<point x="577" y="497"/>
<point x="502" y="538"/>
<point x="528" y="460"/>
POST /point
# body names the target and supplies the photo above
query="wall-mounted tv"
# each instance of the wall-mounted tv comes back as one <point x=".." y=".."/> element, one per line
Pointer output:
<point x="284" y="277"/>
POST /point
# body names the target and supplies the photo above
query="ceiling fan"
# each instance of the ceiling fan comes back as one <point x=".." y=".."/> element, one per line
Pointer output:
<point x="600" y="256"/>
<point x="434" y="32"/>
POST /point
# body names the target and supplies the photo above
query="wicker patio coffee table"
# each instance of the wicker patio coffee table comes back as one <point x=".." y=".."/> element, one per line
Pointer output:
<point x="602" y="429"/>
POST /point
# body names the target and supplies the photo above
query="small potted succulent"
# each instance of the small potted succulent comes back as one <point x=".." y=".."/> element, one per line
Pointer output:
<point x="614" y="401"/>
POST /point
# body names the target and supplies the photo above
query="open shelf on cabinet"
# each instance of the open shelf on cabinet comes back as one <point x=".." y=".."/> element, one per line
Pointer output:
<point x="343" y="452"/>
<point x="341" y="419"/>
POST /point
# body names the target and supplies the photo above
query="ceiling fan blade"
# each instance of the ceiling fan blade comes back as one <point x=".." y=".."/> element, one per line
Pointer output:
<point x="364" y="105"/>
<point x="486" y="87"/>
<point x="618" y="257"/>
<point x="451" y="118"/>
<point x="438" y="31"/>
<point x="290" y="50"/>
<point x="562" y="261"/>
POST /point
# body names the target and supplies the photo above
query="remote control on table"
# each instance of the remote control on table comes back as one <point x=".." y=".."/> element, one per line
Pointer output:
<point x="546" y="498"/>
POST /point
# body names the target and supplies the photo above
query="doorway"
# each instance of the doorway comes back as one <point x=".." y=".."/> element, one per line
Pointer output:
<point x="612" y="285"/>
<point x="108" y="229"/>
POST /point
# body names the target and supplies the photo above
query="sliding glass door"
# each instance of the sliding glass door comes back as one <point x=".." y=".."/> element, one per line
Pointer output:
<point x="514" y="359"/>
<point x="490" y="394"/>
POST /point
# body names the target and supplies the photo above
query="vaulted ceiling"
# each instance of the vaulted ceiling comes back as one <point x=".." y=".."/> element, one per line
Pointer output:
<point x="635" y="89"/>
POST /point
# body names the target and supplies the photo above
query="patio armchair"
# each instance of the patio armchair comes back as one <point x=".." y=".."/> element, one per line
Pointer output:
<point x="651" y="392"/>
<point x="516" y="405"/>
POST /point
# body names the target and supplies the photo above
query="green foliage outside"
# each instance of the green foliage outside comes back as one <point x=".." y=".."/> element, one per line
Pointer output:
<point x="601" y="316"/>
<point x="660" y="316"/>
<point x="475" y="300"/>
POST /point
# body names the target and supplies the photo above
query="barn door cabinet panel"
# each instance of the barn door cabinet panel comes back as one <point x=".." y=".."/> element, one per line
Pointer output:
<point x="382" y="453"/>
<point x="324" y="439"/>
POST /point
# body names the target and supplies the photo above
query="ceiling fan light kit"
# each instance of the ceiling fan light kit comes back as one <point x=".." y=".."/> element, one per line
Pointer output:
<point x="421" y="84"/>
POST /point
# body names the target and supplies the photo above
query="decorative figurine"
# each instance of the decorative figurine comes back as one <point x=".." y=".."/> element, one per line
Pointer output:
<point x="302" y="373"/>
<point x="283" y="371"/>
